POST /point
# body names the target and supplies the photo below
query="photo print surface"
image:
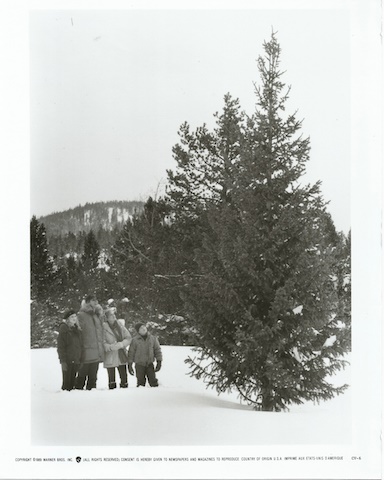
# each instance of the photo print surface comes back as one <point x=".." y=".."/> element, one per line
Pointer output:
<point x="200" y="221"/>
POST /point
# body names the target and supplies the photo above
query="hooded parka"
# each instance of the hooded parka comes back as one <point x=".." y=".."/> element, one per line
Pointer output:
<point x="91" y="326"/>
<point x="112" y="345"/>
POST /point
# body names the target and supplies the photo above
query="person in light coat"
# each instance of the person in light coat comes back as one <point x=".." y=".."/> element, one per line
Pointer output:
<point x="116" y="340"/>
<point x="143" y="351"/>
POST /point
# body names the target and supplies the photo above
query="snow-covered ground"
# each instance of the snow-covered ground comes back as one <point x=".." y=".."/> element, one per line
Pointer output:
<point x="180" y="412"/>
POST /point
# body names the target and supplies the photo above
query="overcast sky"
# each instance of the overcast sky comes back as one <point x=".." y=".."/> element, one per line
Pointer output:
<point x="109" y="90"/>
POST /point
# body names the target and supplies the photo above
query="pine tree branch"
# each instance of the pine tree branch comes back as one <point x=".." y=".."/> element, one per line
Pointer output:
<point x="248" y="399"/>
<point x="119" y="252"/>
<point x="181" y="275"/>
<point x="136" y="249"/>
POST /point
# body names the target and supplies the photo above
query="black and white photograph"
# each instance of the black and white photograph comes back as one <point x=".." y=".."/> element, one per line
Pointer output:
<point x="199" y="246"/>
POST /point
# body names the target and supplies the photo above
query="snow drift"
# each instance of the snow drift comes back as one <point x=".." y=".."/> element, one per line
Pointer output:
<point x="180" y="412"/>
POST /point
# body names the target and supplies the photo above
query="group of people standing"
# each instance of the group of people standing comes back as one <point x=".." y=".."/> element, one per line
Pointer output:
<point x="93" y="336"/>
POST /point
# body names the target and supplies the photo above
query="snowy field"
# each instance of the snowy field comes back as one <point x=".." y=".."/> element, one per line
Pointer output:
<point x="180" y="412"/>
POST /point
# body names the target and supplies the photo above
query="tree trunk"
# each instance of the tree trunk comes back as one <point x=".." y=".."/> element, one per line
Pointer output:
<point x="267" y="404"/>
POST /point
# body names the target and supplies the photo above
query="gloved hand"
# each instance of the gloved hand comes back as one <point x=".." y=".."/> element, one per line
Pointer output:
<point x="116" y="346"/>
<point x="64" y="366"/>
<point x="130" y="369"/>
<point x="158" y="366"/>
<point x="107" y="347"/>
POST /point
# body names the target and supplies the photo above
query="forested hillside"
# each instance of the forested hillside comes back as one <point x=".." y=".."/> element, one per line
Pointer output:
<point x="66" y="230"/>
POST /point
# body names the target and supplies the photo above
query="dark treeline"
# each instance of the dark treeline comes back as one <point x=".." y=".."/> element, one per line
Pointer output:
<point x="240" y="258"/>
<point x="73" y="243"/>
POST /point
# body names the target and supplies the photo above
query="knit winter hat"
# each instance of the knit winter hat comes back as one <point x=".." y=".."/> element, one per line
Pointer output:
<point x="68" y="313"/>
<point x="137" y="326"/>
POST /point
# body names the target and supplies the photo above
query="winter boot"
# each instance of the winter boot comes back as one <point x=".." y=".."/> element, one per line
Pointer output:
<point x="123" y="385"/>
<point x="112" y="385"/>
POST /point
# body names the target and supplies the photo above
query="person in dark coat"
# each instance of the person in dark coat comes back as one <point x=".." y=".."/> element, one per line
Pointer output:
<point x="143" y="351"/>
<point x="69" y="349"/>
<point x="91" y="319"/>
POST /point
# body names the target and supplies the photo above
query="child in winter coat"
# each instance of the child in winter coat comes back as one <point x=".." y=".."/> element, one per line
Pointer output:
<point x="143" y="351"/>
<point x="116" y="340"/>
<point x="69" y="349"/>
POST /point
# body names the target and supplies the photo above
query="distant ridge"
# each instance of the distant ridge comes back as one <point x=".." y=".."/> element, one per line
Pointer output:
<point x="83" y="218"/>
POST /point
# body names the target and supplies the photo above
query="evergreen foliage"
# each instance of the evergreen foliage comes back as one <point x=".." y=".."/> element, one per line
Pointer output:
<point x="45" y="322"/>
<point x="144" y="260"/>
<point x="261" y="289"/>
<point x="90" y="258"/>
<point x="41" y="262"/>
<point x="203" y="176"/>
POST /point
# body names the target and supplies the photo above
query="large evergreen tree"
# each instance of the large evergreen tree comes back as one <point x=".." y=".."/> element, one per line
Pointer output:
<point x="40" y="261"/>
<point x="89" y="279"/>
<point x="91" y="251"/>
<point x="262" y="296"/>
